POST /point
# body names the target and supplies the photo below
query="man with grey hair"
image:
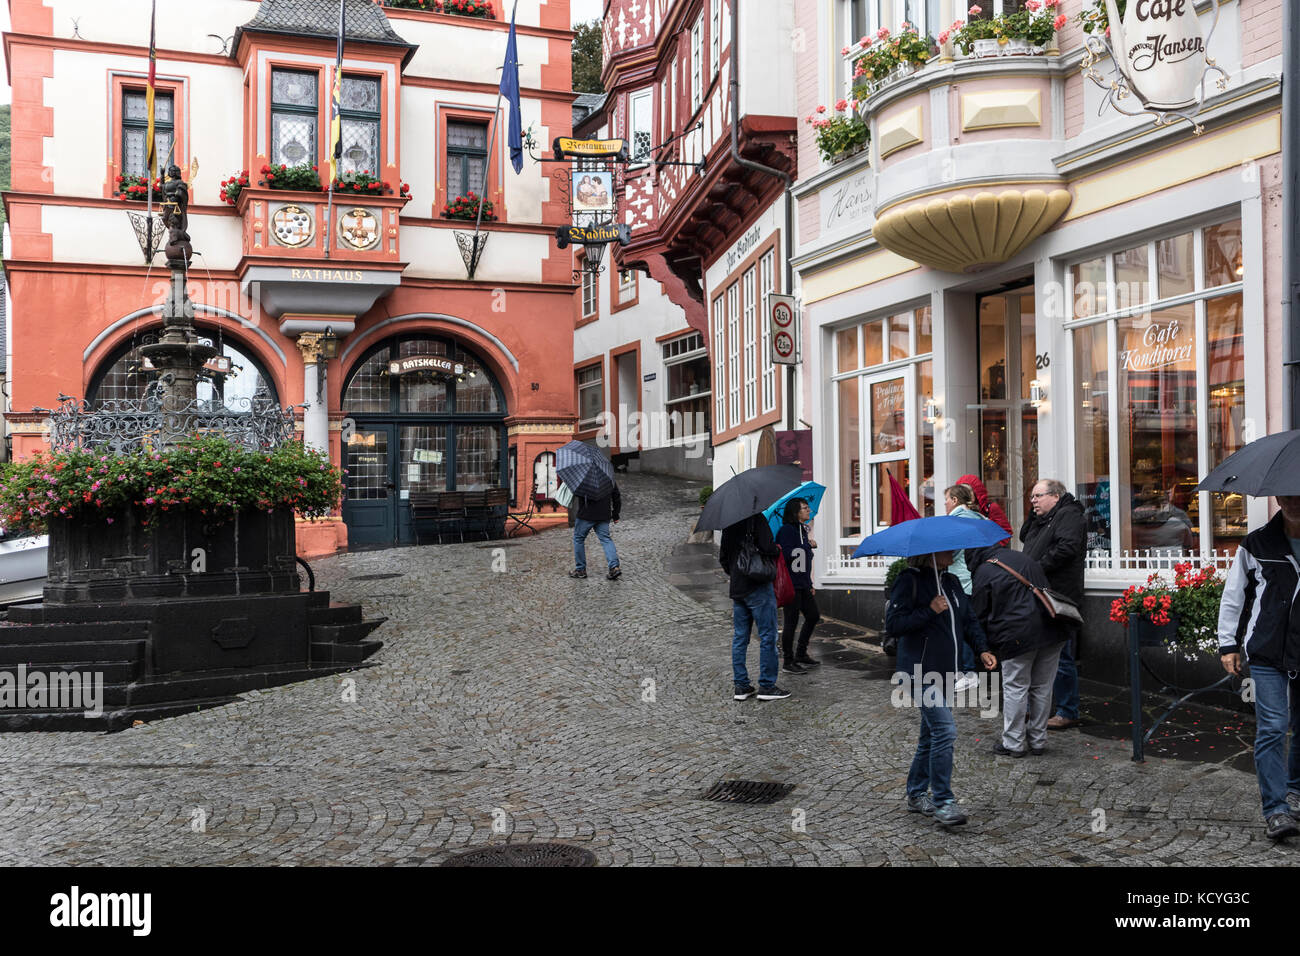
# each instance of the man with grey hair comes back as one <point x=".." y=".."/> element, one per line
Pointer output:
<point x="1056" y="536"/>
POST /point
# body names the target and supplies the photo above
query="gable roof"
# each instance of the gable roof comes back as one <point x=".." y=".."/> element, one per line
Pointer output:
<point x="365" y="21"/>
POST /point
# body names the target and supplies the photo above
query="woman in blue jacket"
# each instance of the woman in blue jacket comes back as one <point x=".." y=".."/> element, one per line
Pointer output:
<point x="798" y="547"/>
<point x="932" y="616"/>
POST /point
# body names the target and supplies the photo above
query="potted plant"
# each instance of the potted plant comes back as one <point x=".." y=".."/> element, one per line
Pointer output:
<point x="466" y="207"/>
<point x="362" y="183"/>
<point x="1095" y="19"/>
<point x="303" y="177"/>
<point x="841" y="135"/>
<point x="1184" y="616"/>
<point x="136" y="188"/>
<point x="705" y="493"/>
<point x="1026" y="31"/>
<point x="887" y="58"/>
<point x="232" y="187"/>
<point x="469" y="8"/>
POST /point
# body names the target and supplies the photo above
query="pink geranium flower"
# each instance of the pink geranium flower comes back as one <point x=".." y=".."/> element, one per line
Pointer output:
<point x="1060" y="21"/>
<point x="975" y="11"/>
<point x="882" y="34"/>
<point x="840" y="105"/>
<point x="821" y="109"/>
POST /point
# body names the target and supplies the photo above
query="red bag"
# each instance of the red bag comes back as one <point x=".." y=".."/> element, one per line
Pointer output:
<point x="784" y="586"/>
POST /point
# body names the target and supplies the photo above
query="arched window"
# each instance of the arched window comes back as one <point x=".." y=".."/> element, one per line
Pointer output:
<point x="127" y="374"/>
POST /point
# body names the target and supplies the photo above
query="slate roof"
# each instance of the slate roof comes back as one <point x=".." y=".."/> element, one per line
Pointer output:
<point x="365" y="19"/>
<point x="586" y="105"/>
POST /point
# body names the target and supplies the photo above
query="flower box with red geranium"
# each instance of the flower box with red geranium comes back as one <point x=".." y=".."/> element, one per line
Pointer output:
<point x="304" y="178"/>
<point x="232" y="187"/>
<point x="469" y="8"/>
<point x="1027" y="31"/>
<point x="136" y="188"/>
<point x="466" y="207"/>
<point x="1184" y="616"/>
<point x="362" y="184"/>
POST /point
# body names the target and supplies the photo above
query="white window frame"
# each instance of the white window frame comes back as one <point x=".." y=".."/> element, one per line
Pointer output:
<point x="767" y="279"/>
<point x="715" y="36"/>
<point x="672" y="129"/>
<point x="627" y="285"/>
<point x="688" y="348"/>
<point x="640" y="119"/>
<point x="750" y="287"/>
<point x="585" y="424"/>
<point x="733" y="353"/>
<point x="697" y="65"/>
<point x="719" y="382"/>
<point x="590" y="283"/>
<point x="1109" y="313"/>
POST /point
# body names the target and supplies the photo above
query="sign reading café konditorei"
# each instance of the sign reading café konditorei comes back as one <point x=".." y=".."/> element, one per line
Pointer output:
<point x="421" y="363"/>
<point x="566" y="148"/>
<point x="1160" y="54"/>
<point x="592" y="235"/>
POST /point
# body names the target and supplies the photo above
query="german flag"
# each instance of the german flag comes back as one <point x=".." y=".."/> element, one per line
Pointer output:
<point x="151" y="143"/>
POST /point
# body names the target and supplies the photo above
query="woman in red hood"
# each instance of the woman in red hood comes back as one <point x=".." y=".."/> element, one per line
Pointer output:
<point x="989" y="509"/>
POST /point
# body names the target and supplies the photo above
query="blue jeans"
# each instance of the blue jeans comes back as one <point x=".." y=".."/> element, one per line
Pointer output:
<point x="932" y="765"/>
<point x="583" y="528"/>
<point x="758" y="607"/>
<point x="1275" y="710"/>
<point x="1065" y="689"/>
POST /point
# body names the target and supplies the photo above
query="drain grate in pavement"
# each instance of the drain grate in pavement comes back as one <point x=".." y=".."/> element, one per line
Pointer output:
<point x="747" y="791"/>
<point x="377" y="577"/>
<point x="525" y="854"/>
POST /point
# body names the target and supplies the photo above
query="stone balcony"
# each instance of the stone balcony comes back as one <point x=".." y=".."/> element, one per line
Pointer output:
<point x="963" y="151"/>
<point x="284" y="263"/>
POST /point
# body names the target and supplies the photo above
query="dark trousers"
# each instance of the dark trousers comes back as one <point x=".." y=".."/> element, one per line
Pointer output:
<point x="803" y="603"/>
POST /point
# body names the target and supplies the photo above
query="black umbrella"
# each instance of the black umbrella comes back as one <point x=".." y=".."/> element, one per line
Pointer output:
<point x="748" y="493"/>
<point x="1269" y="466"/>
<point x="586" y="471"/>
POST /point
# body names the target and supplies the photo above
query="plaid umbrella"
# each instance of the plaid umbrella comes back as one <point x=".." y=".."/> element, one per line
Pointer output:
<point x="585" y="470"/>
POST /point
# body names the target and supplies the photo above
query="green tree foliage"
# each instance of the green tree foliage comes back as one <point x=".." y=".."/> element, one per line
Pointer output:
<point x="586" y="58"/>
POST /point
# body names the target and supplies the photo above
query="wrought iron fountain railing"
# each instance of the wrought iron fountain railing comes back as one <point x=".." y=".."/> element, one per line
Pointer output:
<point x="123" y="425"/>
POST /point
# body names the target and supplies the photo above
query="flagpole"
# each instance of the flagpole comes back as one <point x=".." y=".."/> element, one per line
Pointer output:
<point x="151" y="147"/>
<point x="487" y="173"/>
<point x="338" y="81"/>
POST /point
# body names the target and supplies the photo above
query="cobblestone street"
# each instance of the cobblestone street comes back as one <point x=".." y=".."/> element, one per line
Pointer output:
<point x="523" y="705"/>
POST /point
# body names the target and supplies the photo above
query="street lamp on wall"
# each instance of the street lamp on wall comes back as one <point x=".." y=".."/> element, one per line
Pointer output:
<point x="1037" y="393"/>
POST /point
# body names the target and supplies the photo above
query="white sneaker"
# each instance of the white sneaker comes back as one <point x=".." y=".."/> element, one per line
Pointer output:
<point x="966" y="681"/>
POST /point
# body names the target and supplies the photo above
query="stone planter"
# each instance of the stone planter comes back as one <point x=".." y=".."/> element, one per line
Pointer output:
<point x="1004" y="47"/>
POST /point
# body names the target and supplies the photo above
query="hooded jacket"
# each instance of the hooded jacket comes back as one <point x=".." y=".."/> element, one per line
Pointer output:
<point x="1058" y="541"/>
<point x="1013" y="618"/>
<point x="986" y="507"/>
<point x="733" y="537"/>
<point x="925" y="637"/>
<point x="958" y="567"/>
<point x="600" y="509"/>
<point x="1260" y="614"/>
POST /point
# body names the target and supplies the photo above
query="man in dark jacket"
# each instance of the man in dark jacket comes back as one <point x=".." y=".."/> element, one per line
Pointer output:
<point x="1259" y="617"/>
<point x="753" y="603"/>
<point x="1056" y="536"/>
<point x="1023" y="637"/>
<point x="596" y="513"/>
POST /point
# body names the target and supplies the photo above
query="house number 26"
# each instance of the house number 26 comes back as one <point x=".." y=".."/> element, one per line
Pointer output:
<point x="1042" y="360"/>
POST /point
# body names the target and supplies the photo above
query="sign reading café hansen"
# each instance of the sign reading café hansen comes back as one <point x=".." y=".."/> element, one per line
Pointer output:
<point x="1161" y="53"/>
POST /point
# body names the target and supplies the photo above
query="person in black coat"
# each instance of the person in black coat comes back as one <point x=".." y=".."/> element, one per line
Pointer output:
<point x="931" y="614"/>
<point x="1056" y="536"/>
<point x="753" y="604"/>
<point x="797" y="547"/>
<point x="1025" y="639"/>
<point x="596" y="514"/>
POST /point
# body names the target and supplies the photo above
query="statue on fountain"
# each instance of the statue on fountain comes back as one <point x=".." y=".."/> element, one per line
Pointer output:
<point x="175" y="215"/>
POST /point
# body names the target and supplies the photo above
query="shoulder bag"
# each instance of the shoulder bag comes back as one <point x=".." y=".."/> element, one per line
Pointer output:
<point x="1056" y="604"/>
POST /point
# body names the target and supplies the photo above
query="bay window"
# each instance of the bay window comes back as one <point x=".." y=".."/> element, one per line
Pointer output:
<point x="295" y="113"/>
<point x="1157" y="334"/>
<point x="359" y="120"/>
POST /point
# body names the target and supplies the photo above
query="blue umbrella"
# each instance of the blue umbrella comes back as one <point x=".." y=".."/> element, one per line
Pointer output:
<point x="809" y="491"/>
<point x="928" y="535"/>
<point x="586" y="471"/>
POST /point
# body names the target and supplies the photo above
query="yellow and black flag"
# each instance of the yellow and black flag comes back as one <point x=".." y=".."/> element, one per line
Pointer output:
<point x="336" y="127"/>
<point x="151" y="142"/>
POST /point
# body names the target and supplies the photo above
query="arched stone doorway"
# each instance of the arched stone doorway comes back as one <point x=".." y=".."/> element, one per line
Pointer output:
<point x="425" y="416"/>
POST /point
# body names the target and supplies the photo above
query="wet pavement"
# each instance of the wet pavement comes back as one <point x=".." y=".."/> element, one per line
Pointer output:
<point x="512" y="704"/>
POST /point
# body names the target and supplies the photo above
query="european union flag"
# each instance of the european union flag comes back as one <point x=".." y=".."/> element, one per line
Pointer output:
<point x="510" y="90"/>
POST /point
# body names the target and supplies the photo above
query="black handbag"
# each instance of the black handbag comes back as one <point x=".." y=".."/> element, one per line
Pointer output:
<point x="753" y="564"/>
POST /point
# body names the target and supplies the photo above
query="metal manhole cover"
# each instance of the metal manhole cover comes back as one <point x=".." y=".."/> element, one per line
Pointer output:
<point x="525" y="854"/>
<point x="748" y="791"/>
<point x="378" y="577"/>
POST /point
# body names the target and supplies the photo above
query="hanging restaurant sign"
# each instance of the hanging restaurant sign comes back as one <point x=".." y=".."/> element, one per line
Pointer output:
<point x="420" y="363"/>
<point x="1160" y="57"/>
<point x="593" y="235"/>
<point x="565" y="147"/>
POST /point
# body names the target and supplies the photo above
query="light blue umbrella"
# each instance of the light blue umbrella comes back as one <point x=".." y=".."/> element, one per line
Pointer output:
<point x="809" y="490"/>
